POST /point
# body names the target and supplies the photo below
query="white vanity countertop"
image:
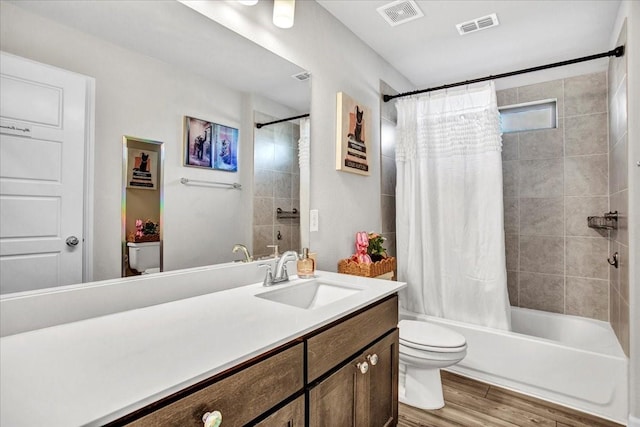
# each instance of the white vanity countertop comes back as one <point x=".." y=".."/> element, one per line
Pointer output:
<point x="94" y="371"/>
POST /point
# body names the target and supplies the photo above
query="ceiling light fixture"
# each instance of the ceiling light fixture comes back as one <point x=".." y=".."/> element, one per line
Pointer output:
<point x="248" y="2"/>
<point x="283" y="11"/>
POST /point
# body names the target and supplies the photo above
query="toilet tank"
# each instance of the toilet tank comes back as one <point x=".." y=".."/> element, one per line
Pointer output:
<point x="144" y="256"/>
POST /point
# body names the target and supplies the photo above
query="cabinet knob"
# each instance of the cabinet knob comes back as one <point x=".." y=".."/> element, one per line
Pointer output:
<point x="363" y="367"/>
<point x="212" y="419"/>
<point x="373" y="359"/>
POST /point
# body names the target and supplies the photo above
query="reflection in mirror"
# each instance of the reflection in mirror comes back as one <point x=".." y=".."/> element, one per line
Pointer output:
<point x="276" y="189"/>
<point x="142" y="196"/>
<point x="153" y="65"/>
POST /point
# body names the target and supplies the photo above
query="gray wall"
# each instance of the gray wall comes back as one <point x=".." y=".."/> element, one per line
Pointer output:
<point x="388" y="121"/>
<point x="553" y="180"/>
<point x="276" y="184"/>
<point x="619" y="194"/>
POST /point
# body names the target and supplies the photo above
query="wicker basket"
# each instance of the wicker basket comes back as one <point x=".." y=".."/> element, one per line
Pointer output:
<point x="378" y="268"/>
<point x="147" y="238"/>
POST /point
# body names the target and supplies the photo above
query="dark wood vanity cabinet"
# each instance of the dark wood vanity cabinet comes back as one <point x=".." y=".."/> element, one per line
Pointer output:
<point x="335" y="343"/>
<point x="240" y="397"/>
<point x="291" y="415"/>
<point x="360" y="355"/>
<point x="278" y="388"/>
<point x="363" y="392"/>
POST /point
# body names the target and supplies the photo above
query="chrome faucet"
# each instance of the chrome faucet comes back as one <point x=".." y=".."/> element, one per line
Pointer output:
<point x="268" y="277"/>
<point x="238" y="247"/>
<point x="281" y="274"/>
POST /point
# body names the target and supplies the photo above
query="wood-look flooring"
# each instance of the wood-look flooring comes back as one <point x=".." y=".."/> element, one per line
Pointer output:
<point x="471" y="403"/>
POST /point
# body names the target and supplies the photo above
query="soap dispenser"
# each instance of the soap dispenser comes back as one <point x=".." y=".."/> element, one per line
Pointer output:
<point x="306" y="265"/>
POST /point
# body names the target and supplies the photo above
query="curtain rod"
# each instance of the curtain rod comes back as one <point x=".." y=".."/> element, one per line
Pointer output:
<point x="259" y="125"/>
<point x="619" y="51"/>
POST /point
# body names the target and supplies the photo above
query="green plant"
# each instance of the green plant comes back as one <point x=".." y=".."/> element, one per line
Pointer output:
<point x="146" y="228"/>
<point x="375" y="245"/>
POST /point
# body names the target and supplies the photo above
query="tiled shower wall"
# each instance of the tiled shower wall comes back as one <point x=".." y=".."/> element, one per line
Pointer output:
<point x="553" y="180"/>
<point x="276" y="184"/>
<point x="618" y="194"/>
<point x="388" y="168"/>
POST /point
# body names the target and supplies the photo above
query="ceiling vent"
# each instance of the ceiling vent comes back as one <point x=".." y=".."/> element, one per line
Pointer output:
<point x="400" y="12"/>
<point x="478" y="24"/>
<point x="303" y="76"/>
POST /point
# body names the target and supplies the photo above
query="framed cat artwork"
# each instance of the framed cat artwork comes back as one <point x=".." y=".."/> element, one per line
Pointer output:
<point x="353" y="140"/>
<point x="210" y="145"/>
<point x="142" y="169"/>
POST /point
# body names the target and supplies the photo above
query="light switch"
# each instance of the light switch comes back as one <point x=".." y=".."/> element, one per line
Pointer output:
<point x="313" y="220"/>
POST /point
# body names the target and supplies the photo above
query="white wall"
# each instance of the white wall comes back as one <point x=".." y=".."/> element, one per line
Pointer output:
<point x="338" y="61"/>
<point x="142" y="97"/>
<point x="631" y="11"/>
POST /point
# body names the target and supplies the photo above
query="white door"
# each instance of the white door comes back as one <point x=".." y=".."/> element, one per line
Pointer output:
<point x="42" y="157"/>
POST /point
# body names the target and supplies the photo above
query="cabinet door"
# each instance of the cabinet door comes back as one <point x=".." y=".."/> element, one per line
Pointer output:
<point x="291" y="415"/>
<point x="382" y="358"/>
<point x="351" y="398"/>
<point x="334" y="402"/>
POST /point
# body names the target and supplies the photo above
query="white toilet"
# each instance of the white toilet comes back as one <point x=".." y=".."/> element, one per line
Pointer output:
<point x="144" y="257"/>
<point x="424" y="349"/>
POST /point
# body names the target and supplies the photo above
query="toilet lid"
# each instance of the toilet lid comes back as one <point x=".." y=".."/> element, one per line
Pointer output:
<point x="415" y="333"/>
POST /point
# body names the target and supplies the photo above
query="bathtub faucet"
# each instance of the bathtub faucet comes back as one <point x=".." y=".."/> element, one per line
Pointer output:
<point x="238" y="247"/>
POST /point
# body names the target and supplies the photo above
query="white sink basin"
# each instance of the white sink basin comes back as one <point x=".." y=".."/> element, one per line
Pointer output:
<point x="310" y="295"/>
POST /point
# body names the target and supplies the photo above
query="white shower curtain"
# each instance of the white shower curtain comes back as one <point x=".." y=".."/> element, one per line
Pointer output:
<point x="450" y="235"/>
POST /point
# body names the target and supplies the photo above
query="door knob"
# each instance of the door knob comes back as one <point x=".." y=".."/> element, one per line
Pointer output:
<point x="72" y="241"/>
<point x="363" y="367"/>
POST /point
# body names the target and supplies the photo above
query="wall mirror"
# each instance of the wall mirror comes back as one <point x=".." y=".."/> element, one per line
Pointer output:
<point x="142" y="191"/>
<point x="154" y="65"/>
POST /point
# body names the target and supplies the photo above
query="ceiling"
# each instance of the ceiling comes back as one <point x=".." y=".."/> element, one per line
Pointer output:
<point x="429" y="51"/>
<point x="180" y="36"/>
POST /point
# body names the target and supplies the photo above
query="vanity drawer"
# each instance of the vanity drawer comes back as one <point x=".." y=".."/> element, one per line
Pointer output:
<point x="333" y="346"/>
<point x="240" y="397"/>
<point x="291" y="415"/>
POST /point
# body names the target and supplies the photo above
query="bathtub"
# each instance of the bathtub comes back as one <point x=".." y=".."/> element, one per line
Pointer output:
<point x="573" y="361"/>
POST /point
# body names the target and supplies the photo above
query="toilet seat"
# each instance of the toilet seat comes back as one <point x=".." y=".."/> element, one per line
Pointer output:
<point x="427" y="348"/>
<point x="429" y="337"/>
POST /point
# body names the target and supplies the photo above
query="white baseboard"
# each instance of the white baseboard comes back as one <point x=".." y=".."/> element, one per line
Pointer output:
<point x="633" y="421"/>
